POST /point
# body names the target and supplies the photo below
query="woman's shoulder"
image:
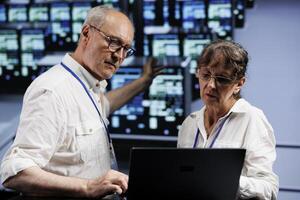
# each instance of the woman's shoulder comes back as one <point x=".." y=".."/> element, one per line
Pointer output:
<point x="253" y="114"/>
<point x="244" y="107"/>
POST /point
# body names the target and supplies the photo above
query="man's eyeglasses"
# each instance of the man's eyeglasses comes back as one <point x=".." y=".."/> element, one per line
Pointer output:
<point x="220" y="80"/>
<point x="115" y="45"/>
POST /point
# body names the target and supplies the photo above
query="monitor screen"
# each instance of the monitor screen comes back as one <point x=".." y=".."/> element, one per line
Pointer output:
<point x="149" y="12"/>
<point x="17" y="13"/>
<point x="30" y="59"/>
<point x="158" y="111"/>
<point x="38" y="13"/>
<point x="60" y="11"/>
<point x="32" y="47"/>
<point x="32" y="40"/>
<point x="8" y="40"/>
<point x="110" y="1"/>
<point x="239" y="13"/>
<point x="79" y="11"/>
<point x="114" y="3"/>
<point x="165" y="45"/>
<point x="2" y="13"/>
<point x="220" y="18"/>
<point x="9" y="55"/>
<point x="193" y="44"/>
<point x="76" y="30"/>
<point x="61" y="28"/>
<point x="9" y="59"/>
<point x="193" y="14"/>
<point x="58" y="36"/>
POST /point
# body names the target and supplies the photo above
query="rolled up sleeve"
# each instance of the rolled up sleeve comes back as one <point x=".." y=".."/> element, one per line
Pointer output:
<point x="38" y="134"/>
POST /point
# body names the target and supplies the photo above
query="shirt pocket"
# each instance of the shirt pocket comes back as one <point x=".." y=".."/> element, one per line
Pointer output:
<point x="89" y="138"/>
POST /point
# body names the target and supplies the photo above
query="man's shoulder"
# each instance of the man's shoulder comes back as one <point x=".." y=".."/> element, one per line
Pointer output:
<point x="52" y="79"/>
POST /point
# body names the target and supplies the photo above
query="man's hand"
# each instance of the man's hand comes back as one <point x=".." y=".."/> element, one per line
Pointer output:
<point x="112" y="182"/>
<point x="119" y="97"/>
<point x="150" y="70"/>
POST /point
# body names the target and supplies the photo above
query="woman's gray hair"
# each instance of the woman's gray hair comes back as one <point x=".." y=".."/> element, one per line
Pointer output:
<point x="96" y="15"/>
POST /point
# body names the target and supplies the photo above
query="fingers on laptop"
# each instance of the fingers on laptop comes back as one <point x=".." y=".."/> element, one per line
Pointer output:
<point x="118" y="180"/>
<point x="112" y="182"/>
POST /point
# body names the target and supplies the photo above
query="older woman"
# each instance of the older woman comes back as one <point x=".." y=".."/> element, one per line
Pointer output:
<point x="229" y="121"/>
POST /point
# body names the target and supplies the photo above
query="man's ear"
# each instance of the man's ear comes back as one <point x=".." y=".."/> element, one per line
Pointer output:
<point x="85" y="31"/>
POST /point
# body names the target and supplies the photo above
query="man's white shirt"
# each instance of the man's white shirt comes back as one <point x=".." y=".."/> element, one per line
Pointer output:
<point x="60" y="130"/>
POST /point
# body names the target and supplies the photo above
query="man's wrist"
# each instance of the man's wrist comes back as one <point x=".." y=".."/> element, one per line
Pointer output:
<point x="147" y="80"/>
<point x="84" y="190"/>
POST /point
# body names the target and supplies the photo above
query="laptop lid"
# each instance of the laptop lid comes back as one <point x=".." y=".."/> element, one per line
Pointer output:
<point x="185" y="174"/>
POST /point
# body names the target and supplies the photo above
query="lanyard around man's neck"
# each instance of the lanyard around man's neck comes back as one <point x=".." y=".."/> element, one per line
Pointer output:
<point x="90" y="97"/>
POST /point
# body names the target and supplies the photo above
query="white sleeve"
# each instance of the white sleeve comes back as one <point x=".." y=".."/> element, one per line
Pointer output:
<point x="38" y="134"/>
<point x="258" y="180"/>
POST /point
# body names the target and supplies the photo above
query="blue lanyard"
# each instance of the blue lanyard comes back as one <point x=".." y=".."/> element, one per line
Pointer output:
<point x="215" y="138"/>
<point x="91" y="98"/>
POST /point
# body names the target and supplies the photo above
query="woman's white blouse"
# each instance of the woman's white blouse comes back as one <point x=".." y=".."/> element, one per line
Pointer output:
<point x="248" y="128"/>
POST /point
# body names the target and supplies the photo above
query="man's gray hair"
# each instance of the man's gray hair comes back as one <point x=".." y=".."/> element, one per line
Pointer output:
<point x="96" y="15"/>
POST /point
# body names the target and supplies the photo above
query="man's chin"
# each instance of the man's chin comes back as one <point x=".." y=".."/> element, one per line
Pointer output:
<point x="108" y="75"/>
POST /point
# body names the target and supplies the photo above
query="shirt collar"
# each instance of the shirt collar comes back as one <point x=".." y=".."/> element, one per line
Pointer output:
<point x="90" y="81"/>
<point x="238" y="107"/>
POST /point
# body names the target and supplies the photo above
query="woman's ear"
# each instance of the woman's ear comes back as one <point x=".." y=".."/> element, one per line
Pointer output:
<point x="239" y="85"/>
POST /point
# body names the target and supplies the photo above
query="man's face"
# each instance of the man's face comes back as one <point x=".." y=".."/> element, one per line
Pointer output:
<point x="97" y="56"/>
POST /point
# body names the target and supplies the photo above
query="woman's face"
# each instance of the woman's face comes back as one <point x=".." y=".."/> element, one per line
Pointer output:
<point x="217" y="86"/>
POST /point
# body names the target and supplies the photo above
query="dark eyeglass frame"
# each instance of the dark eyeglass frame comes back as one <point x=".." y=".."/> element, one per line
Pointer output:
<point x="220" y="80"/>
<point x="115" y="45"/>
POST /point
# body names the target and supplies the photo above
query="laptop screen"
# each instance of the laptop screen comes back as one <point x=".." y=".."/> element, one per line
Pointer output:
<point x="189" y="174"/>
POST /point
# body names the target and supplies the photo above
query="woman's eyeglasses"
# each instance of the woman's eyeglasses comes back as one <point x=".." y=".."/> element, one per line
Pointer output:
<point x="207" y="76"/>
<point x="115" y="45"/>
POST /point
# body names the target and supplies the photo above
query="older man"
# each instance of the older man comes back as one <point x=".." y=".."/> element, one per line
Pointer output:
<point x="62" y="146"/>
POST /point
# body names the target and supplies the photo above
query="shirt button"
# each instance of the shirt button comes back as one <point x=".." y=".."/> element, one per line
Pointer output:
<point x="90" y="130"/>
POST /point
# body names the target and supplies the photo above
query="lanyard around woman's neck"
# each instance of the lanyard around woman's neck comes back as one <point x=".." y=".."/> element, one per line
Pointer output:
<point x="91" y="98"/>
<point x="216" y="135"/>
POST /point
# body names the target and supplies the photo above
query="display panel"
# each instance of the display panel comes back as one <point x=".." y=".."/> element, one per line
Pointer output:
<point x="3" y="17"/>
<point x="17" y="13"/>
<point x="38" y="13"/>
<point x="194" y="15"/>
<point x="8" y="40"/>
<point x="79" y="13"/>
<point x="32" y="40"/>
<point x="156" y="112"/>
<point x="193" y="46"/>
<point x="239" y="13"/>
<point x="220" y="18"/>
<point x="114" y="3"/>
<point x="32" y="47"/>
<point x="60" y="11"/>
<point x="9" y="54"/>
<point x="165" y="45"/>
<point x="149" y="12"/>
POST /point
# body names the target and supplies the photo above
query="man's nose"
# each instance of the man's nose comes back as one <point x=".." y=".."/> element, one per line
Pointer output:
<point x="119" y="54"/>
